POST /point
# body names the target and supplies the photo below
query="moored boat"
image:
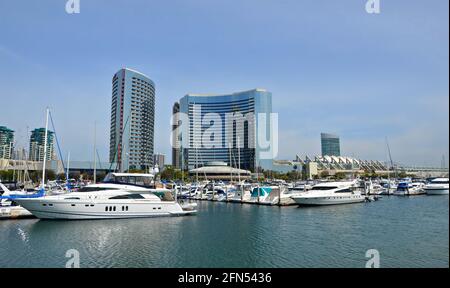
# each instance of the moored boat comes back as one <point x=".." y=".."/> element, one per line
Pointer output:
<point x="120" y="195"/>
<point x="438" y="186"/>
<point x="331" y="193"/>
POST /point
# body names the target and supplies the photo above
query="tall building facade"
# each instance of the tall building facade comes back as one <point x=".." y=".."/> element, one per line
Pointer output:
<point x="176" y="152"/>
<point x="37" y="144"/>
<point x="132" y="120"/>
<point x="211" y="136"/>
<point x="160" y="160"/>
<point x="330" y="144"/>
<point x="6" y="142"/>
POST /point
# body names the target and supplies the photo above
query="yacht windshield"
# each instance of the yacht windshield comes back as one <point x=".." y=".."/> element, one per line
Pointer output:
<point x="145" y="181"/>
<point x="439" y="182"/>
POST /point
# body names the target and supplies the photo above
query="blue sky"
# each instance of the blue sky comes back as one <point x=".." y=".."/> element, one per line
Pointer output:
<point x="330" y="66"/>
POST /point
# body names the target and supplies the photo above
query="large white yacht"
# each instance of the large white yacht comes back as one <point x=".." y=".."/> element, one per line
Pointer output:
<point x="438" y="186"/>
<point x="331" y="193"/>
<point x="120" y="195"/>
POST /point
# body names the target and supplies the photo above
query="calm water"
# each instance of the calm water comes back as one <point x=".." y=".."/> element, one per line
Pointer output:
<point x="408" y="232"/>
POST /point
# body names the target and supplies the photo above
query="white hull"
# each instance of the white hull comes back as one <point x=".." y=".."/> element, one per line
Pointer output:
<point x="409" y="193"/>
<point x="436" y="191"/>
<point x="329" y="200"/>
<point x="101" y="210"/>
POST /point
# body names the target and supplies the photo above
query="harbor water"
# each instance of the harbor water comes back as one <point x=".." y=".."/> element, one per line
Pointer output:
<point x="407" y="232"/>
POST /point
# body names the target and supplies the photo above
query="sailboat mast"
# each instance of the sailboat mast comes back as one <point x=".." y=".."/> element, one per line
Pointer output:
<point x="239" y="160"/>
<point x="45" y="148"/>
<point x="390" y="157"/>
<point x="95" y="149"/>
<point x="67" y="169"/>
<point x="231" y="164"/>
<point x="196" y="164"/>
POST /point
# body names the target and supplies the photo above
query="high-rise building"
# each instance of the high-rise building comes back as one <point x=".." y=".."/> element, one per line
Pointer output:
<point x="132" y="120"/>
<point x="159" y="159"/>
<point x="176" y="152"/>
<point x="37" y="144"/>
<point x="6" y="142"/>
<point x="330" y="144"/>
<point x="211" y="136"/>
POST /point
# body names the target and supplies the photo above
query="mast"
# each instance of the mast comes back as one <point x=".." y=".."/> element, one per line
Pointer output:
<point x="390" y="157"/>
<point x="239" y="160"/>
<point x="95" y="149"/>
<point x="45" y="148"/>
<point x="231" y="165"/>
<point x="67" y="169"/>
<point x="196" y="164"/>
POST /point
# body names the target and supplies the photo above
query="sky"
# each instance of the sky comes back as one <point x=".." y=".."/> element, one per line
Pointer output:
<point x="331" y="67"/>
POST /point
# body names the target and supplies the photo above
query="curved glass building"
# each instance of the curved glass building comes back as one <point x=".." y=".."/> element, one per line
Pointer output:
<point x="132" y="120"/>
<point x="224" y="128"/>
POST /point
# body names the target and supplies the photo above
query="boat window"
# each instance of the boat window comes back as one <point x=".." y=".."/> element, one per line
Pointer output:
<point x="346" y="190"/>
<point x="128" y="196"/>
<point x="147" y="181"/>
<point x="93" y="189"/>
<point x="132" y="180"/>
<point x="72" y="198"/>
<point x="439" y="182"/>
<point x="324" y="187"/>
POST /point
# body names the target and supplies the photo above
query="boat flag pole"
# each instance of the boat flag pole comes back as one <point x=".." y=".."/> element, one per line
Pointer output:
<point x="95" y="149"/>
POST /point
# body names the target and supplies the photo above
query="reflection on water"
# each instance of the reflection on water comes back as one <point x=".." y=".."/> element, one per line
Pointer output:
<point x="408" y="232"/>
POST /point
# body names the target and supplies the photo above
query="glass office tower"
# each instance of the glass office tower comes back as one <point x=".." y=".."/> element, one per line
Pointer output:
<point x="225" y="128"/>
<point x="330" y="145"/>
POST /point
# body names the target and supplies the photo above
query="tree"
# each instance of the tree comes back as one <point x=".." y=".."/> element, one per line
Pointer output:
<point x="340" y="175"/>
<point x="324" y="174"/>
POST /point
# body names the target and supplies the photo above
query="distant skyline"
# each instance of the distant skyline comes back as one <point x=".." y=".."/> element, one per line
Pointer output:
<point x="331" y="67"/>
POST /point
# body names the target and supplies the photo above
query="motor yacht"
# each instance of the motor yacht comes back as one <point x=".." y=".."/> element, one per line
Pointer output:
<point x="438" y="186"/>
<point x="409" y="189"/>
<point x="120" y="195"/>
<point x="242" y="192"/>
<point x="331" y="193"/>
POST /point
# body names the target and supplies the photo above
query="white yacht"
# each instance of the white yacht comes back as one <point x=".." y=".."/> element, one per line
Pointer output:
<point x="389" y="187"/>
<point x="438" y="186"/>
<point x="120" y="195"/>
<point x="242" y="193"/>
<point x="330" y="193"/>
<point x="409" y="189"/>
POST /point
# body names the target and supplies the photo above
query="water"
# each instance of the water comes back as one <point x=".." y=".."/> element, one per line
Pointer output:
<point x="407" y="232"/>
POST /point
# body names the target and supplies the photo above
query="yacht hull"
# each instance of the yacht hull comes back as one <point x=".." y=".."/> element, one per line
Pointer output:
<point x="409" y="193"/>
<point x="329" y="200"/>
<point x="98" y="210"/>
<point x="442" y="191"/>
